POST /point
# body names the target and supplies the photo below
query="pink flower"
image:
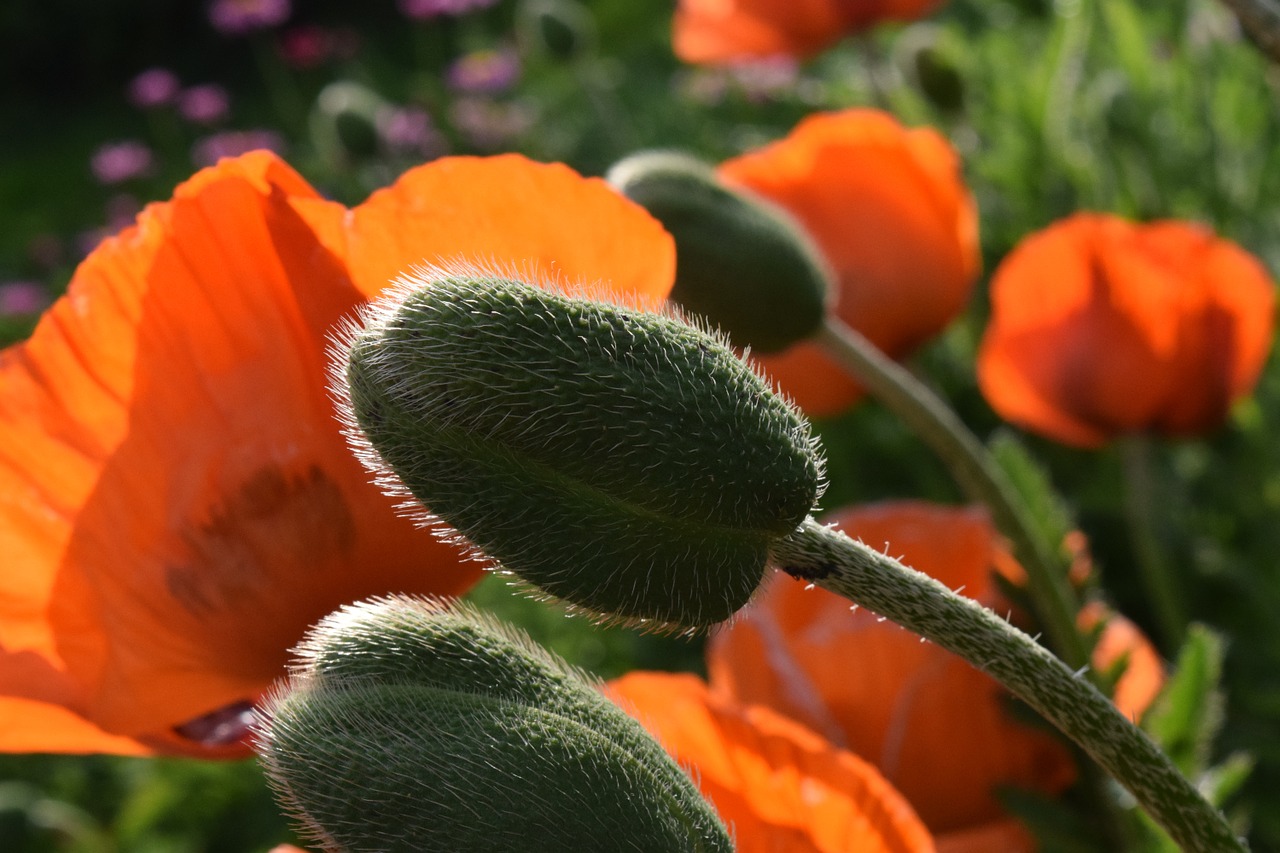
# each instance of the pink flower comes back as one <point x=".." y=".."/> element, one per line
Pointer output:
<point x="409" y="130"/>
<point x="310" y="46"/>
<point x="116" y="162"/>
<point x="207" y="104"/>
<point x="238" y="17"/>
<point x="22" y="298"/>
<point x="484" y="71"/>
<point x="155" y="87"/>
<point x="232" y="143"/>
<point x="424" y="10"/>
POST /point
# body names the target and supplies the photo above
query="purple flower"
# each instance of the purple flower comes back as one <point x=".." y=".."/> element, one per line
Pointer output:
<point x="766" y="79"/>
<point x="484" y="71"/>
<point x="310" y="46"/>
<point x="233" y="143"/>
<point x="121" y="161"/>
<point x="410" y="130"/>
<point x="155" y="87"/>
<point x="238" y="17"/>
<point x="22" y="298"/>
<point x="207" y="104"/>
<point x="489" y="125"/>
<point x="424" y="10"/>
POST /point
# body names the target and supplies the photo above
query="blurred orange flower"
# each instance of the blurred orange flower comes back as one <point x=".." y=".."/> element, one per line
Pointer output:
<point x="177" y="503"/>
<point x="1101" y="327"/>
<point x="723" y="31"/>
<point x="936" y="727"/>
<point x="775" y="784"/>
<point x="890" y="212"/>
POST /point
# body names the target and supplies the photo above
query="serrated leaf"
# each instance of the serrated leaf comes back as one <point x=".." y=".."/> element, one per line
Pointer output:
<point x="1051" y="516"/>
<point x="1223" y="780"/>
<point x="1188" y="713"/>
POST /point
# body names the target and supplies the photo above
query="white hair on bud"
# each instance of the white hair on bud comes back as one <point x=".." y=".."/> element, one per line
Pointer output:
<point x="382" y="312"/>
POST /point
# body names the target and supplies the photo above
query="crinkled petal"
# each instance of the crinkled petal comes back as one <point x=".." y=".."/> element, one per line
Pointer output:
<point x="777" y="785"/>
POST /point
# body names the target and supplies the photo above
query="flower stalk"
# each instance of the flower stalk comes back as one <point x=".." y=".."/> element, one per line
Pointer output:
<point x="828" y="558"/>
<point x="938" y="426"/>
<point x="1139" y="497"/>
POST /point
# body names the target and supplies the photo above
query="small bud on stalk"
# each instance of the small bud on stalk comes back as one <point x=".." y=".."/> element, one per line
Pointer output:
<point x="620" y="460"/>
<point x="412" y="725"/>
<point x="740" y="260"/>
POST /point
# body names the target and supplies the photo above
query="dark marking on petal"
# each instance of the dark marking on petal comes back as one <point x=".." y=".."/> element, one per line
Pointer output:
<point x="274" y="528"/>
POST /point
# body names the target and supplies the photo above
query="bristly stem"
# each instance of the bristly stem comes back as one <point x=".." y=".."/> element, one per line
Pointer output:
<point x="828" y="558"/>
<point x="973" y="468"/>
<point x="1139" y="496"/>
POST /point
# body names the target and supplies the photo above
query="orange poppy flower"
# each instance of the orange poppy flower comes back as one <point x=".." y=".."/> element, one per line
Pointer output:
<point x="177" y="503"/>
<point x="775" y="784"/>
<point x="724" y="31"/>
<point x="887" y="207"/>
<point x="936" y="727"/>
<point x="1101" y="327"/>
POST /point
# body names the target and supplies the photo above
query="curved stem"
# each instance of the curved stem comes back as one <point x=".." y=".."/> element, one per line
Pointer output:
<point x="828" y="558"/>
<point x="1139" y="497"/>
<point x="934" y="423"/>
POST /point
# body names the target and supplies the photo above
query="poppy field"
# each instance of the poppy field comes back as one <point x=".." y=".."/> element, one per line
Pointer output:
<point x="465" y="425"/>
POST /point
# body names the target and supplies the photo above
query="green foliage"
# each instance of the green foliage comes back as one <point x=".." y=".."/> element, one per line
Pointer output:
<point x="1187" y="719"/>
<point x="1051" y="517"/>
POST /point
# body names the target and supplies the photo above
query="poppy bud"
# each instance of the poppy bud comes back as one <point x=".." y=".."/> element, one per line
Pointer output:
<point x="619" y="460"/>
<point x="741" y="261"/>
<point x="558" y="29"/>
<point x="411" y="725"/>
<point x="344" y="121"/>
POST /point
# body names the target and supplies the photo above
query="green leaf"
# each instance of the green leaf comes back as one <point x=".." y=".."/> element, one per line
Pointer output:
<point x="1050" y="515"/>
<point x="1189" y="711"/>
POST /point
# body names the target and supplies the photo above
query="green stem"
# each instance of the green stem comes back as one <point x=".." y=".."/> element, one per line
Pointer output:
<point x="934" y="423"/>
<point x="1139" y="500"/>
<point x="828" y="558"/>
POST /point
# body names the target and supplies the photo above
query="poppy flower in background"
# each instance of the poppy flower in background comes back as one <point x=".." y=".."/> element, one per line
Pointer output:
<point x="724" y="31"/>
<point x="937" y="728"/>
<point x="1102" y="327"/>
<point x="177" y="503"/>
<point x="887" y="207"/>
<point x="774" y="783"/>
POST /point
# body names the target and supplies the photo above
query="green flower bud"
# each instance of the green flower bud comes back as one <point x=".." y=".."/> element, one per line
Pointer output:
<point x="558" y="29"/>
<point x="620" y="460"/>
<point x="742" y="262"/>
<point x="408" y="725"/>
<point x="343" y="121"/>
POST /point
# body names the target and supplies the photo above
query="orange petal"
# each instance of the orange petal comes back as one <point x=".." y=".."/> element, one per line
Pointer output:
<point x="1143" y="677"/>
<point x="889" y="210"/>
<point x="776" y="785"/>
<point x="28" y="725"/>
<point x="174" y="491"/>
<point x="1100" y="327"/>
<point x="723" y="31"/>
<point x="541" y="221"/>
<point x="937" y="728"/>
<point x="1005" y="836"/>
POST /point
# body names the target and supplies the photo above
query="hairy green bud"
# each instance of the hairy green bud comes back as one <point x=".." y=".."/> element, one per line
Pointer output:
<point x="410" y="725"/>
<point x="557" y="29"/>
<point x="742" y="262"/>
<point x="620" y="460"/>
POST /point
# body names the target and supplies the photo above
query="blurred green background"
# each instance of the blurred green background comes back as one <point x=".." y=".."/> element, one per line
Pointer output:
<point x="1146" y="110"/>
